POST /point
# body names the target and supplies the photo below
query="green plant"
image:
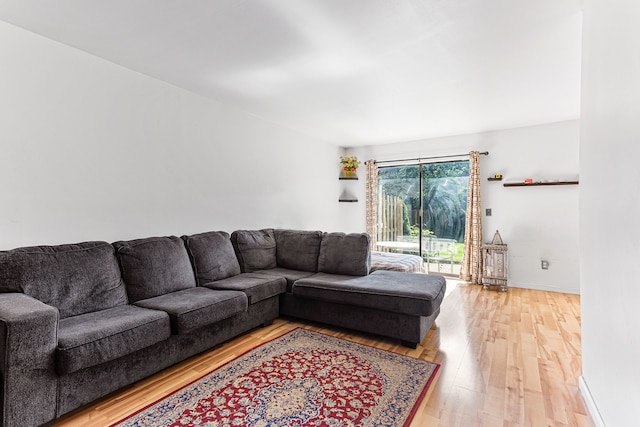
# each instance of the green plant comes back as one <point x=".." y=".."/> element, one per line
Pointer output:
<point x="349" y="163"/>
<point x="458" y="253"/>
<point x="415" y="231"/>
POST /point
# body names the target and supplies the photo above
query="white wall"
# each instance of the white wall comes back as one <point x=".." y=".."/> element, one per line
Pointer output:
<point x="91" y="150"/>
<point x="536" y="222"/>
<point x="609" y="210"/>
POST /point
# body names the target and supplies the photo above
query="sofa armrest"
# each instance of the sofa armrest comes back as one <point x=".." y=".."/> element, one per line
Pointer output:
<point x="28" y="339"/>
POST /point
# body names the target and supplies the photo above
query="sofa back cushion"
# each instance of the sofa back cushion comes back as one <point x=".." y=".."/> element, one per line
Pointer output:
<point x="255" y="249"/>
<point x="75" y="278"/>
<point x="212" y="256"/>
<point x="154" y="266"/>
<point x="348" y="254"/>
<point x="298" y="250"/>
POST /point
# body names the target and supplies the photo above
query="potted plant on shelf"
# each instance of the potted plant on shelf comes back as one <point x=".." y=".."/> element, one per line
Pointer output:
<point x="349" y="165"/>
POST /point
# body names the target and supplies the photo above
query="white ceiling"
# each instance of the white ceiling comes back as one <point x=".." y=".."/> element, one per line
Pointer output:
<point x="351" y="72"/>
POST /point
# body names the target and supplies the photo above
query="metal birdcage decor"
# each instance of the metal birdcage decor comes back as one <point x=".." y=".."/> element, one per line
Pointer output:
<point x="495" y="264"/>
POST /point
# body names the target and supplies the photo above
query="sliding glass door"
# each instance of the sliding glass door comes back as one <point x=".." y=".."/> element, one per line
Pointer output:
<point x="422" y="210"/>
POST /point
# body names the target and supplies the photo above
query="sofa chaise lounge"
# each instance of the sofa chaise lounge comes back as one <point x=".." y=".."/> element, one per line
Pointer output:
<point x="79" y="321"/>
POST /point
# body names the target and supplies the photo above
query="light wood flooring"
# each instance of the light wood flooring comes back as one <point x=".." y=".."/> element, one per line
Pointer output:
<point x="507" y="359"/>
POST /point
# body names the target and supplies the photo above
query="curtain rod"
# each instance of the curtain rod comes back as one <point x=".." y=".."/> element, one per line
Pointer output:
<point x="484" y="153"/>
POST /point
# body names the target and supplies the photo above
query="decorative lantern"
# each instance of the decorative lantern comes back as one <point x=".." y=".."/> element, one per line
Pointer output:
<point x="495" y="264"/>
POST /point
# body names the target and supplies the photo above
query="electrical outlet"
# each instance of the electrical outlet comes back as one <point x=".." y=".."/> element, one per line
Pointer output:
<point x="487" y="212"/>
<point x="544" y="264"/>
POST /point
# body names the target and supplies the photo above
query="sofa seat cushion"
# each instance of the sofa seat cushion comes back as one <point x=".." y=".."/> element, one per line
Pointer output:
<point x="290" y="275"/>
<point x="212" y="256"/>
<point x="154" y="266"/>
<point x="191" y="309"/>
<point x="257" y="286"/>
<point x="407" y="293"/>
<point x="94" y="338"/>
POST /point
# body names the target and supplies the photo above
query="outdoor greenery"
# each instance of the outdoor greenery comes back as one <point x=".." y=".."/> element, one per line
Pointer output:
<point x="444" y="196"/>
<point x="414" y="230"/>
<point x="458" y="253"/>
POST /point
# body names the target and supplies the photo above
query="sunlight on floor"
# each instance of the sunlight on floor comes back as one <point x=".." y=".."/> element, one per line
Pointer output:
<point x="452" y="283"/>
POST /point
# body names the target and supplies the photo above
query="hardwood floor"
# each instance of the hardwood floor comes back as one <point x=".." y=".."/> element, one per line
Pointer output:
<point x="508" y="359"/>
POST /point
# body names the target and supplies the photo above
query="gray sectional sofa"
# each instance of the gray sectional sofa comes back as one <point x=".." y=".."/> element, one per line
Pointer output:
<point x="82" y="320"/>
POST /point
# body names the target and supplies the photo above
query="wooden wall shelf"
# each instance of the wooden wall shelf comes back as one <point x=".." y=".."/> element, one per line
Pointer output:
<point x="348" y="178"/>
<point x="535" y="184"/>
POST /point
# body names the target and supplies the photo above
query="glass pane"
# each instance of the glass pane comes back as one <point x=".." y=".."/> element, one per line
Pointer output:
<point x="399" y="209"/>
<point x="444" y="201"/>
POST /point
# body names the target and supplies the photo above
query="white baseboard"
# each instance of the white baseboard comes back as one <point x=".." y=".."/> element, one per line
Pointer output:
<point x="590" y="403"/>
<point x="538" y="287"/>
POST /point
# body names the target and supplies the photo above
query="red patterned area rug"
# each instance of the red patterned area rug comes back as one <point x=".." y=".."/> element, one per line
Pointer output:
<point x="302" y="378"/>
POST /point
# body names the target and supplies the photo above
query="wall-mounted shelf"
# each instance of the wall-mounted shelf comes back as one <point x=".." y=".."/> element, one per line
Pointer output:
<point x="494" y="179"/>
<point x="347" y="196"/>
<point x="534" y="184"/>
